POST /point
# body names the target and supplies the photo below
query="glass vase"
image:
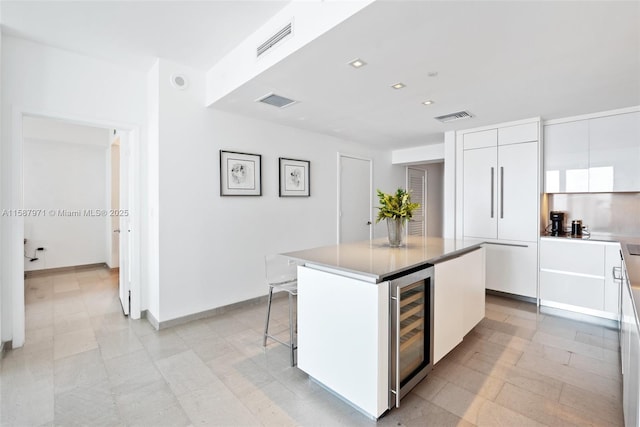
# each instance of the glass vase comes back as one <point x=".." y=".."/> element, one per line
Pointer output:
<point x="395" y="227"/>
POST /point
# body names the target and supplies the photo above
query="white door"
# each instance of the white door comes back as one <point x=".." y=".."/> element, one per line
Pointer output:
<point x="416" y="184"/>
<point x="518" y="217"/>
<point x="125" y="225"/>
<point x="114" y="220"/>
<point x="480" y="193"/>
<point x="354" y="199"/>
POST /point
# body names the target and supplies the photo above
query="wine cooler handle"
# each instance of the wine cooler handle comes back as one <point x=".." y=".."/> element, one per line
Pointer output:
<point x="398" y="348"/>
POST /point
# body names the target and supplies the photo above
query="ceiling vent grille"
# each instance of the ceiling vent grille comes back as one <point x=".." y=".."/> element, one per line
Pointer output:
<point x="454" y="116"/>
<point x="276" y="100"/>
<point x="274" y="39"/>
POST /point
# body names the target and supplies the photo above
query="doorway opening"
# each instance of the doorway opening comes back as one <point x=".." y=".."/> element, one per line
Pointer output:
<point x="426" y="183"/>
<point x="48" y="247"/>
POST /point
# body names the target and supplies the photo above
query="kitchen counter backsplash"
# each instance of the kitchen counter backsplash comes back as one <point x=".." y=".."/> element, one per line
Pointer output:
<point x="602" y="213"/>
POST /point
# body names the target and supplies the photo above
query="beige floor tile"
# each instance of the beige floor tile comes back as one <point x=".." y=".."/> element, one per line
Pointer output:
<point x="75" y="342"/>
<point x="529" y="404"/>
<point x="529" y="380"/>
<point x="203" y="407"/>
<point x="163" y="344"/>
<point x="595" y="405"/>
<point x="132" y="369"/>
<point x="596" y="366"/>
<point x="492" y="415"/>
<point x="185" y="372"/>
<point x="80" y="370"/>
<point x="469" y="379"/>
<point x="460" y="402"/>
<point x="65" y="286"/>
<point x="569" y="345"/>
<point x="118" y="343"/>
<point x="429" y="387"/>
<point x="86" y="406"/>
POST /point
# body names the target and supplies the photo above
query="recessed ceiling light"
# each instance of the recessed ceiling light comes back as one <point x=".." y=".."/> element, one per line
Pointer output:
<point x="428" y="102"/>
<point x="357" y="63"/>
<point x="398" y="85"/>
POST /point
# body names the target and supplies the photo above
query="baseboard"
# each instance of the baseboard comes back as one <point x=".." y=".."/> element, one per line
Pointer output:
<point x="213" y="312"/>
<point x="512" y="296"/>
<point x="5" y="347"/>
<point x="152" y="320"/>
<point x="73" y="268"/>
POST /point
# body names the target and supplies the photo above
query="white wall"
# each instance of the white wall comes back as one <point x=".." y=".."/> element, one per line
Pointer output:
<point x="42" y="80"/>
<point x="65" y="178"/>
<point x="212" y="247"/>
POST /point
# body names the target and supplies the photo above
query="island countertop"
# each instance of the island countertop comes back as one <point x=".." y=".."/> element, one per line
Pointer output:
<point x="375" y="261"/>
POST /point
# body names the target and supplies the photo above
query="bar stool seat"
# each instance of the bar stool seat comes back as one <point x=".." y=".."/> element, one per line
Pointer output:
<point x="282" y="276"/>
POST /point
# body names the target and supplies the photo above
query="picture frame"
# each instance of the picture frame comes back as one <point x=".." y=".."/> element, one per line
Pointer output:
<point x="240" y="174"/>
<point x="294" y="178"/>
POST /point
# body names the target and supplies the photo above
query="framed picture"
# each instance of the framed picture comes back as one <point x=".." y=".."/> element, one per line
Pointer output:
<point x="294" y="178"/>
<point x="240" y="174"/>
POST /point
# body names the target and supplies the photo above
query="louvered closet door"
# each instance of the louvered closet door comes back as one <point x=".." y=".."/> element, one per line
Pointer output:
<point x="417" y="185"/>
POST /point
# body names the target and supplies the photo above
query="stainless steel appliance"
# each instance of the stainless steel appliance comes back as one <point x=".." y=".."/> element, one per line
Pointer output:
<point x="411" y="331"/>
<point x="557" y="223"/>
<point x="576" y="228"/>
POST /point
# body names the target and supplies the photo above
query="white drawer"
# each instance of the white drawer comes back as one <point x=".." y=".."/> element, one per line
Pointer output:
<point x="580" y="291"/>
<point x="572" y="257"/>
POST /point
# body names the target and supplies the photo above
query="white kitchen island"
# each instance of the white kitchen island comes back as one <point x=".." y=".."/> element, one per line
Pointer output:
<point x="344" y="310"/>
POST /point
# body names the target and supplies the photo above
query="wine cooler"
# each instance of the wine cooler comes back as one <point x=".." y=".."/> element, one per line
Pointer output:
<point x="411" y="332"/>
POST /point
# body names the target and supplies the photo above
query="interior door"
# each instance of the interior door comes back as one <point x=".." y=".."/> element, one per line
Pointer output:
<point x="480" y="193"/>
<point x="416" y="184"/>
<point x="125" y="227"/>
<point x="354" y="204"/>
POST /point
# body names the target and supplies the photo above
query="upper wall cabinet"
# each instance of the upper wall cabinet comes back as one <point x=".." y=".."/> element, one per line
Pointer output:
<point x="614" y="153"/>
<point x="598" y="154"/>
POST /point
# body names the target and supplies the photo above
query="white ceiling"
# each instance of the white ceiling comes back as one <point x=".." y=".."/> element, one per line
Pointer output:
<point x="135" y="32"/>
<point x="500" y="61"/>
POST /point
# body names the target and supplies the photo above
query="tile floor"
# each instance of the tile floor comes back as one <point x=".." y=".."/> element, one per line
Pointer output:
<point x="86" y="364"/>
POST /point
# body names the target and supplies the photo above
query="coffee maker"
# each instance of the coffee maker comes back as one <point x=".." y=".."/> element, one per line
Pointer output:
<point x="557" y="223"/>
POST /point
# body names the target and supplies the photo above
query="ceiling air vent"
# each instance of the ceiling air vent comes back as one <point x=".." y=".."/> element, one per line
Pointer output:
<point x="454" y="116"/>
<point x="276" y="100"/>
<point x="274" y="39"/>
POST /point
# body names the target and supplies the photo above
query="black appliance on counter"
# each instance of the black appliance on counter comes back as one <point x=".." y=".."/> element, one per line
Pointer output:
<point x="557" y="223"/>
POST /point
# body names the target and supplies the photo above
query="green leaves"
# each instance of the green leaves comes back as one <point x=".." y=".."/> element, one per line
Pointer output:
<point x="395" y="206"/>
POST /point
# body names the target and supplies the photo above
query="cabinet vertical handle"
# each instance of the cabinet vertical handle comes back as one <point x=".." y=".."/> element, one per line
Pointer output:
<point x="501" y="192"/>
<point x="397" y="332"/>
<point x="492" y="192"/>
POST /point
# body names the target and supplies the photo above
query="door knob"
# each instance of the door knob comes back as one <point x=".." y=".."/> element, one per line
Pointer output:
<point x="368" y="222"/>
<point x="116" y="231"/>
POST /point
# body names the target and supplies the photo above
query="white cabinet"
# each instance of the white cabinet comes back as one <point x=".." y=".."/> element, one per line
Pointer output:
<point x="614" y="153"/>
<point x="579" y="275"/>
<point x="500" y="202"/>
<point x="566" y="157"/>
<point x="630" y="354"/>
<point x="513" y="269"/>
<point x="612" y="278"/>
<point x="598" y="154"/>
<point x="500" y="199"/>
<point x="458" y="300"/>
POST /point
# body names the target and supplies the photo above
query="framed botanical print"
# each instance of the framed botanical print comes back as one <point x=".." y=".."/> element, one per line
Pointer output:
<point x="294" y="178"/>
<point x="240" y="174"/>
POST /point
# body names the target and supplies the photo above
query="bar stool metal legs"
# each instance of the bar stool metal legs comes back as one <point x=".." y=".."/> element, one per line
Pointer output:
<point x="292" y="323"/>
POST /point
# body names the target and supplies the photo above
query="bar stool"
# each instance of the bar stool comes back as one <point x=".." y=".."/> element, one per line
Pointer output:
<point x="282" y="275"/>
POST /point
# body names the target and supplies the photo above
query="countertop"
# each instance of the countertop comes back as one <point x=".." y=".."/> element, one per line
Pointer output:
<point x="375" y="261"/>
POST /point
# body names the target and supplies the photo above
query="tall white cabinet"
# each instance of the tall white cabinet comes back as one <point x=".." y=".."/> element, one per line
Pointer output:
<point x="500" y="201"/>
